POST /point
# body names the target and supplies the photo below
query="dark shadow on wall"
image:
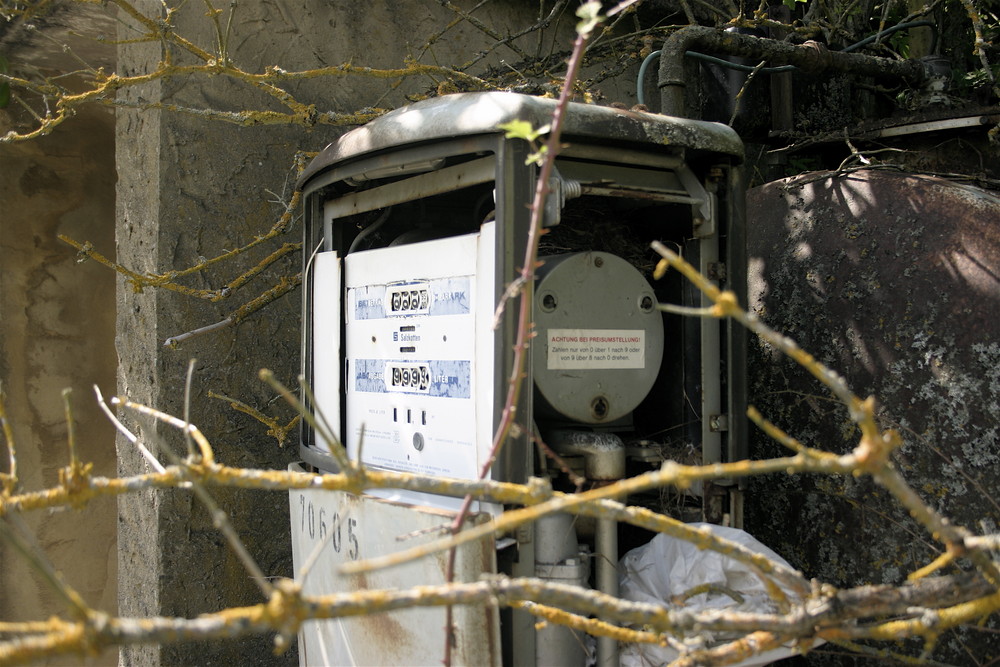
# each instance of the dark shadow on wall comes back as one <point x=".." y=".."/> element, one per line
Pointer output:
<point x="57" y="320"/>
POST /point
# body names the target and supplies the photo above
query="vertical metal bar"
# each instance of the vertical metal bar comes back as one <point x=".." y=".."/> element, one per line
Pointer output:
<point x="515" y="185"/>
<point x="712" y="420"/>
<point x="736" y="263"/>
<point x="711" y="362"/>
<point x="514" y="192"/>
<point x="606" y="546"/>
<point x="312" y="232"/>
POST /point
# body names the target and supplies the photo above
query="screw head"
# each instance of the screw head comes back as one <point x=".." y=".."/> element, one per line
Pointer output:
<point x="549" y="302"/>
<point x="599" y="407"/>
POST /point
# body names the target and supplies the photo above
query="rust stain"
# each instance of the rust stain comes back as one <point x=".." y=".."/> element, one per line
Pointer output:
<point x="391" y="636"/>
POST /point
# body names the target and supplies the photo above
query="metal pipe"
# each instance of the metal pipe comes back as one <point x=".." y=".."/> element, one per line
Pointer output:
<point x="603" y="453"/>
<point x="606" y="546"/>
<point x="810" y="57"/>
<point x="896" y="28"/>
<point x="558" y="559"/>
<point x="604" y="461"/>
<point x="556" y="539"/>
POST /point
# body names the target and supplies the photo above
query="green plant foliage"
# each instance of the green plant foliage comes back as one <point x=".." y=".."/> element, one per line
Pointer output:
<point x="590" y="16"/>
<point x="522" y="129"/>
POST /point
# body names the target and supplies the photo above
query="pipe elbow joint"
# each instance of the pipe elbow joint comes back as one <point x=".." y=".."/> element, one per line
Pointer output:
<point x="603" y="453"/>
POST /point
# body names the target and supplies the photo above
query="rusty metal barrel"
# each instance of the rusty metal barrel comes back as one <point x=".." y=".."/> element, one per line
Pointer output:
<point x="893" y="280"/>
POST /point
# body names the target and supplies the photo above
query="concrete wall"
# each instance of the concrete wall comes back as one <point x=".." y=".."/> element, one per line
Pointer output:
<point x="57" y="331"/>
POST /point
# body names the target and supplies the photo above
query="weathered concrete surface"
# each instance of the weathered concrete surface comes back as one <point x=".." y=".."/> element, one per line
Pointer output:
<point x="190" y="188"/>
<point x="57" y="331"/>
<point x="58" y="38"/>
<point x="893" y="281"/>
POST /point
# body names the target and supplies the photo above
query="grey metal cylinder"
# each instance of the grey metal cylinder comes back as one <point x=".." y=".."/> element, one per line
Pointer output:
<point x="600" y="337"/>
<point x="558" y="559"/>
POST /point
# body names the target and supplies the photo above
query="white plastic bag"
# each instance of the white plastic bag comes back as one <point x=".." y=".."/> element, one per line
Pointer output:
<point x="667" y="567"/>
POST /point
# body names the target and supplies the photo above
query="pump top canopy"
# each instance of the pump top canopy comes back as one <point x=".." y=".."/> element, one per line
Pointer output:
<point x="468" y="114"/>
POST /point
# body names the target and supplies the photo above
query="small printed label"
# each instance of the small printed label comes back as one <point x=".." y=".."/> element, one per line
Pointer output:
<point x="574" y="349"/>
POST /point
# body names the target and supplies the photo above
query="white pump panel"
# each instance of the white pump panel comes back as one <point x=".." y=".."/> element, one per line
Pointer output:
<point x="419" y="355"/>
<point x="326" y="342"/>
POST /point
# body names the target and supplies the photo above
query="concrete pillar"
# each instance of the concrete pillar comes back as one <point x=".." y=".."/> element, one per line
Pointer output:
<point x="191" y="188"/>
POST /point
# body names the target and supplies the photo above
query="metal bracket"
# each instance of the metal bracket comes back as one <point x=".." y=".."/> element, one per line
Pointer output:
<point x="703" y="214"/>
<point x="718" y="423"/>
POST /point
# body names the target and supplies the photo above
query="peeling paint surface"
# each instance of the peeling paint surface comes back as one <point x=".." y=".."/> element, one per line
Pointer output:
<point x="893" y="280"/>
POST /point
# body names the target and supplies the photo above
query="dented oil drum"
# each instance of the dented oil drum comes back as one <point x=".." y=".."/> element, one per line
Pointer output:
<point x="893" y="280"/>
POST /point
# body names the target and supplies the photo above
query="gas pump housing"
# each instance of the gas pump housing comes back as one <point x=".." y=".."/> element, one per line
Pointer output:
<point x="415" y="227"/>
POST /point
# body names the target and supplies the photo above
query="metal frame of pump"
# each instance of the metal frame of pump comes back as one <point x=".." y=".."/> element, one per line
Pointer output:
<point x="547" y="553"/>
